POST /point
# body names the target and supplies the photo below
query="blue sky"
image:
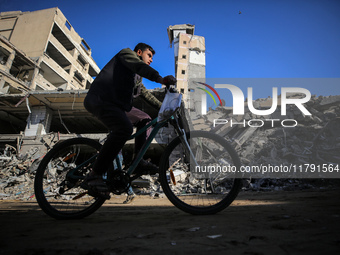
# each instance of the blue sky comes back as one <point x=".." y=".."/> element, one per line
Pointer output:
<point x="269" y="39"/>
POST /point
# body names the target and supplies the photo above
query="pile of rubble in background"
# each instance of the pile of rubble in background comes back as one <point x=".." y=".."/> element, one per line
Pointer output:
<point x="255" y="145"/>
<point x="17" y="174"/>
<point x="316" y="140"/>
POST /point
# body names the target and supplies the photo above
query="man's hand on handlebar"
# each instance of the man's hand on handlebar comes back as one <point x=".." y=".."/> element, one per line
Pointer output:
<point x="167" y="80"/>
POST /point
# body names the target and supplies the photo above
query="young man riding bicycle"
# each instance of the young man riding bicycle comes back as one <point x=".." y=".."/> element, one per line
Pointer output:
<point x="110" y="100"/>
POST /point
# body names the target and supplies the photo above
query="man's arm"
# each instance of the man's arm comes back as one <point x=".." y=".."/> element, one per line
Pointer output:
<point x="149" y="97"/>
<point x="131" y="60"/>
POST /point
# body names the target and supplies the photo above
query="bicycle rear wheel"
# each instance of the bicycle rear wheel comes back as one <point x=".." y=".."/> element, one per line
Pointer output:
<point x="58" y="178"/>
<point x="204" y="189"/>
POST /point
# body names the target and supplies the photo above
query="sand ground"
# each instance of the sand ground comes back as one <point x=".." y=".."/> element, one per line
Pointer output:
<point x="295" y="222"/>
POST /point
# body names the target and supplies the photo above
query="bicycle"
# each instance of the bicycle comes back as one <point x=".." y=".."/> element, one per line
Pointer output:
<point x="183" y="180"/>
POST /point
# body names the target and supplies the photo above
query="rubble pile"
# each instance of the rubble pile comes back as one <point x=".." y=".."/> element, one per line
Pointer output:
<point x="148" y="185"/>
<point x="314" y="140"/>
<point x="17" y="174"/>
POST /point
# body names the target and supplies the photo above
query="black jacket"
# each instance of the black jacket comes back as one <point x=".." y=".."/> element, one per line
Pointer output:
<point x="116" y="81"/>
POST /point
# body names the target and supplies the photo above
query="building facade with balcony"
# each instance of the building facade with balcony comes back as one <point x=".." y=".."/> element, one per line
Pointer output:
<point x="62" y="59"/>
<point x="46" y="68"/>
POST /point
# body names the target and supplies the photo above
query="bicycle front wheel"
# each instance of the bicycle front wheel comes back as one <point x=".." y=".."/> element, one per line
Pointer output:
<point x="207" y="186"/>
<point x="58" y="178"/>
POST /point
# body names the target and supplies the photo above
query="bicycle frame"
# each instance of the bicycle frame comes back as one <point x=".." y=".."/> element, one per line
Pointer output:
<point x="139" y="156"/>
<point x="157" y="126"/>
<point x="146" y="145"/>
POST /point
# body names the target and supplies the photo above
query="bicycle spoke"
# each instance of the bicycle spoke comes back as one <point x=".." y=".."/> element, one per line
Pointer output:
<point x="59" y="177"/>
<point x="194" y="190"/>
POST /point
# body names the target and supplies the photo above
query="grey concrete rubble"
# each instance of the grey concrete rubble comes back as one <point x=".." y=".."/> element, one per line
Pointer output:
<point x="17" y="174"/>
<point x="315" y="139"/>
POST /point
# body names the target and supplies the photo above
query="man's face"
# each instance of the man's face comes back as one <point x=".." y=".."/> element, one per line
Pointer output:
<point x="146" y="56"/>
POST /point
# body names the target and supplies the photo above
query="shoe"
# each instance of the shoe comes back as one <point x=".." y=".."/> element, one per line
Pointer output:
<point x="96" y="186"/>
<point x="129" y="198"/>
<point x="145" y="166"/>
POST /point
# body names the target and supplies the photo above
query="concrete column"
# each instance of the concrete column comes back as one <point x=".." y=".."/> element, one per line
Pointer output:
<point x="87" y="68"/>
<point x="3" y="89"/>
<point x="38" y="121"/>
<point x="73" y="52"/>
<point x="33" y="83"/>
<point x="35" y="74"/>
<point x="9" y="62"/>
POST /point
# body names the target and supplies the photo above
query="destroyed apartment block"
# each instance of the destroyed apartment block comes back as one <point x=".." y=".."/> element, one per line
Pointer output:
<point x="60" y="58"/>
<point x="41" y="55"/>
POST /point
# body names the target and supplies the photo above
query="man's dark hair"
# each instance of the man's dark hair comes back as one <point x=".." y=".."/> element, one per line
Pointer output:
<point x="143" y="47"/>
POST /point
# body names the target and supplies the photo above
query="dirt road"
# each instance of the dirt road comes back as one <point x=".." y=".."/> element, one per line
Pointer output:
<point x="298" y="222"/>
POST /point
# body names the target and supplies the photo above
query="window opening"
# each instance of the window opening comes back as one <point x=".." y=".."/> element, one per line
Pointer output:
<point x="68" y="25"/>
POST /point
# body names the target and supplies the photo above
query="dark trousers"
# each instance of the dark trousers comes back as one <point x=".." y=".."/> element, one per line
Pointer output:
<point x="139" y="119"/>
<point x="120" y="125"/>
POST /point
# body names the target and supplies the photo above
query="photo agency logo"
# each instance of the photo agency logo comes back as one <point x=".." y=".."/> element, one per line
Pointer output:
<point x="240" y="102"/>
<point x="275" y="104"/>
<point x="209" y="93"/>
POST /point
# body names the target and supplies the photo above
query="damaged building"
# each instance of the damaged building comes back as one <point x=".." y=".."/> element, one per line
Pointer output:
<point x="189" y="51"/>
<point x="61" y="58"/>
<point x="45" y="69"/>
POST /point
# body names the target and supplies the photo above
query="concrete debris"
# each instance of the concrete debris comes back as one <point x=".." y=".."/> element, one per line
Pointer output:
<point x="17" y="174"/>
<point x="273" y="140"/>
<point x="148" y="185"/>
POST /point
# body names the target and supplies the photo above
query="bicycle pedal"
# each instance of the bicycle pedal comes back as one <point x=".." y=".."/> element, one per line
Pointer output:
<point x="80" y="195"/>
<point x="95" y="193"/>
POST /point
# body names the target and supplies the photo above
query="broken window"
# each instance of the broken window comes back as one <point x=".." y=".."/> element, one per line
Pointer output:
<point x="57" y="56"/>
<point x="92" y="72"/>
<point x="82" y="60"/>
<point x="85" y="46"/>
<point x="68" y="25"/>
<point x="78" y="77"/>
<point x="62" y="38"/>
